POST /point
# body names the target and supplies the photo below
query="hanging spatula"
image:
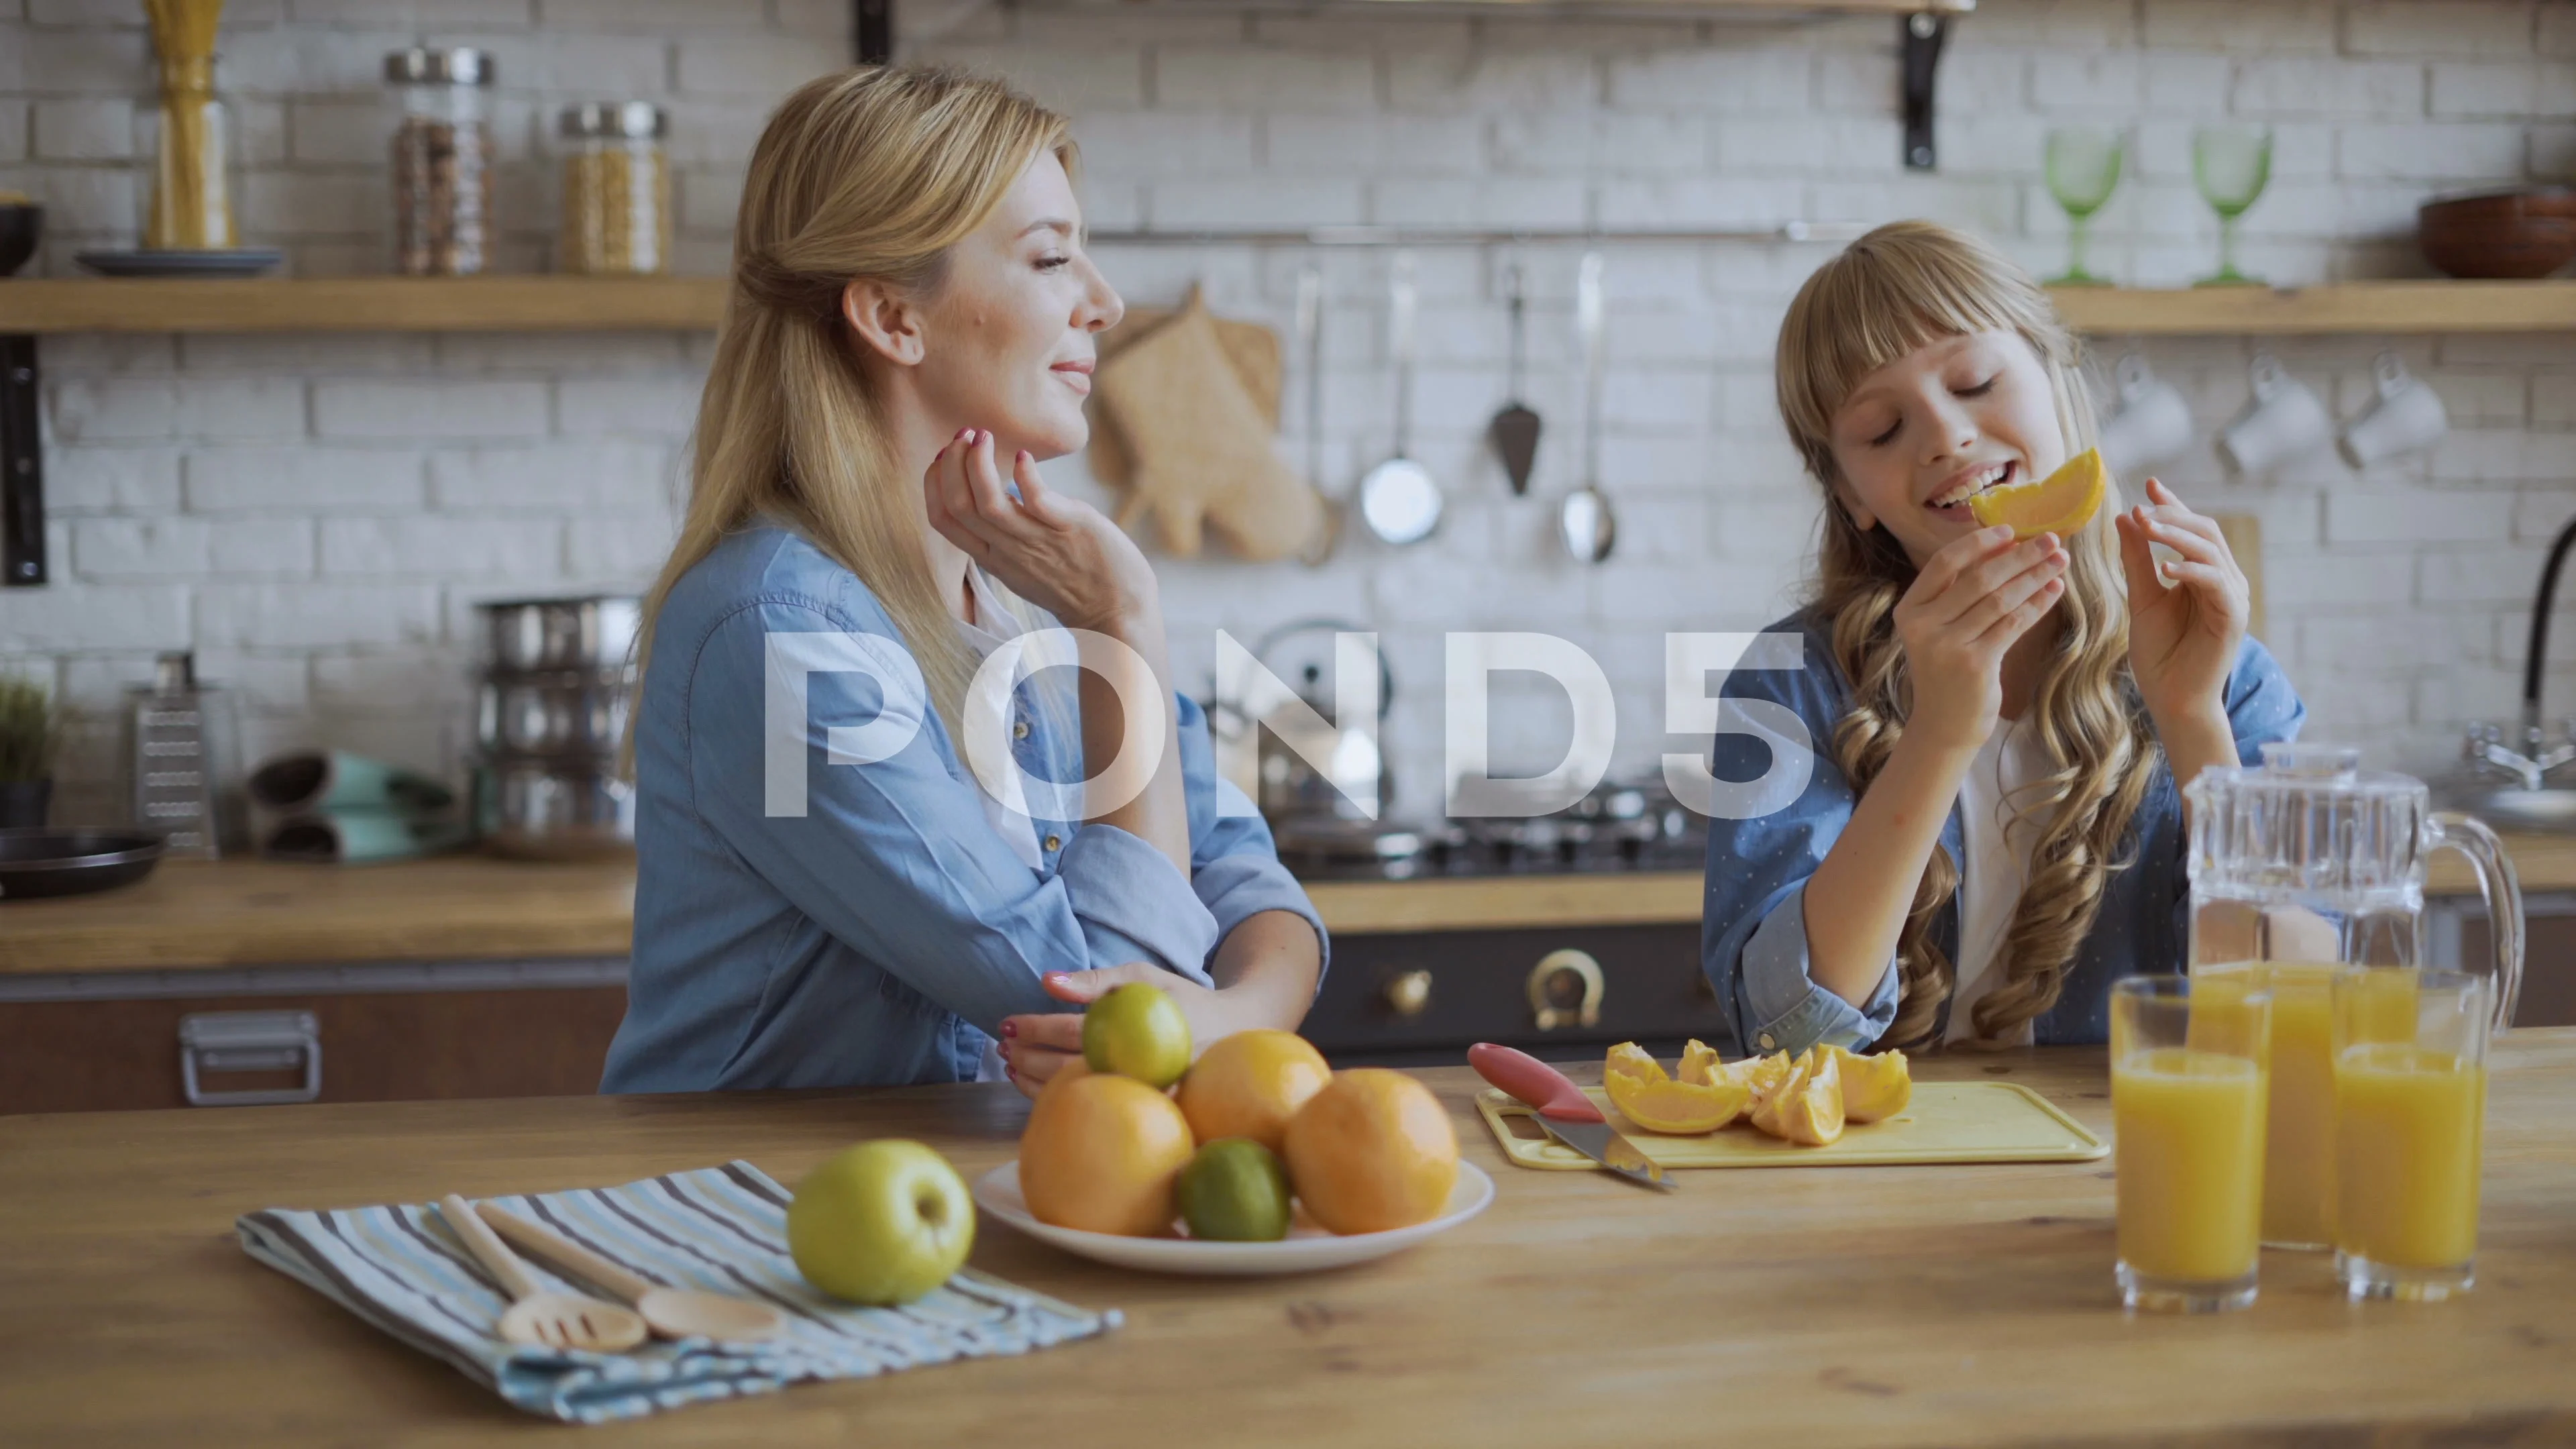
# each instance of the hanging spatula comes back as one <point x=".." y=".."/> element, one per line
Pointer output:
<point x="1514" y="430"/>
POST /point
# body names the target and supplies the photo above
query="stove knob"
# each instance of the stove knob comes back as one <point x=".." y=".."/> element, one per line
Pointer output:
<point x="1565" y="990"/>
<point x="1407" y="993"/>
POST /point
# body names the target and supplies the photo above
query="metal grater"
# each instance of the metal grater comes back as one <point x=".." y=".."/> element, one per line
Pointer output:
<point x="174" y="784"/>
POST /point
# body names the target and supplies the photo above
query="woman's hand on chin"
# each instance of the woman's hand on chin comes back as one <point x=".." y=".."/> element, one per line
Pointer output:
<point x="1037" y="1047"/>
<point x="1059" y="553"/>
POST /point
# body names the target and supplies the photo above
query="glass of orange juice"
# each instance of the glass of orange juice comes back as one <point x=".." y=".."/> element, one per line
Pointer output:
<point x="2410" y="1113"/>
<point x="2189" y="1089"/>
<point x="2298" y="1136"/>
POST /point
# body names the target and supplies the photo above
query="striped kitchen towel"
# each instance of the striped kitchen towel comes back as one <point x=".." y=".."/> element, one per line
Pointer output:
<point x="723" y="1229"/>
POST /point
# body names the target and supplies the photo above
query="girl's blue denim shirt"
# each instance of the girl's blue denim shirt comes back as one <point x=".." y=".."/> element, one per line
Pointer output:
<point x="869" y="927"/>
<point x="1753" y="927"/>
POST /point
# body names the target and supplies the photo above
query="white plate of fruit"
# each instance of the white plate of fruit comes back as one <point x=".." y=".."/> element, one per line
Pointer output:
<point x="1257" y="1159"/>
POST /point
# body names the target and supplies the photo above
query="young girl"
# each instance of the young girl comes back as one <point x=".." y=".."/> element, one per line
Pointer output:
<point x="1992" y="834"/>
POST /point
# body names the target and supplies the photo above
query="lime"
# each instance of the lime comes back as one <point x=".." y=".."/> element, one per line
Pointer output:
<point x="1235" y="1191"/>
<point x="1137" y="1030"/>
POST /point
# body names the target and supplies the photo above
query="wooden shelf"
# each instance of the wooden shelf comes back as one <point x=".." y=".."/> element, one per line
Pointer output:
<point x="364" y="304"/>
<point x="2382" y="307"/>
<point x="587" y="304"/>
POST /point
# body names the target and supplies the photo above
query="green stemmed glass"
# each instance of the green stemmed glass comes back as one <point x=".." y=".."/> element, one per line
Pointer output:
<point x="2231" y="165"/>
<point x="2083" y="171"/>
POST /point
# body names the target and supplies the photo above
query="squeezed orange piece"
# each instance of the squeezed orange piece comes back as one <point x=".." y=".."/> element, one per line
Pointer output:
<point x="1700" y="1063"/>
<point x="1808" y="1107"/>
<point x="2060" y="503"/>
<point x="1875" y="1088"/>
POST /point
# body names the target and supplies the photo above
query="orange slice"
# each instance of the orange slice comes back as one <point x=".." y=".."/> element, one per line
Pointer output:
<point x="1628" y="1059"/>
<point x="1875" y="1088"/>
<point x="1676" y="1108"/>
<point x="1760" y="1075"/>
<point x="2060" y="503"/>
<point x="1700" y="1063"/>
<point x="1808" y="1108"/>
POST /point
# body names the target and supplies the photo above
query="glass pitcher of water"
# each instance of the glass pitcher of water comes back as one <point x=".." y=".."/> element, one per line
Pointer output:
<point x="2300" y="867"/>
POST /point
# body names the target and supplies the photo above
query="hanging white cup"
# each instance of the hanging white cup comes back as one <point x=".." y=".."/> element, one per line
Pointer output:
<point x="2285" y="420"/>
<point x="2153" y="425"/>
<point x="2406" y="415"/>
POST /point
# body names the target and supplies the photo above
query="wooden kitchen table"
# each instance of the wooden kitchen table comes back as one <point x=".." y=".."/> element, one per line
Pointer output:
<point x="1778" y="1307"/>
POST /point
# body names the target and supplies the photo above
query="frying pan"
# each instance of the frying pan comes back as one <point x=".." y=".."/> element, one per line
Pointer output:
<point x="73" y="862"/>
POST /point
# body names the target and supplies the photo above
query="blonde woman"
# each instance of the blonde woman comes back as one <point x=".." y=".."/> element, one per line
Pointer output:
<point x="827" y="892"/>
<point x="1992" y="832"/>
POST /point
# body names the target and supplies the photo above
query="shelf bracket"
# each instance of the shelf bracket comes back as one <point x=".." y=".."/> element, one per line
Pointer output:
<point x="1920" y="37"/>
<point x="22" y="467"/>
<point x="872" y="31"/>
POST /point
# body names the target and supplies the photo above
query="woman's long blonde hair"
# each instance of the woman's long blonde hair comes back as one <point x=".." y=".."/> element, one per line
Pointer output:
<point x="870" y="173"/>
<point x="1896" y="289"/>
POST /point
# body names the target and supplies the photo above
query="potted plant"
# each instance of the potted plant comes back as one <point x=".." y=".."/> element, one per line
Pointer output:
<point x="30" y="733"/>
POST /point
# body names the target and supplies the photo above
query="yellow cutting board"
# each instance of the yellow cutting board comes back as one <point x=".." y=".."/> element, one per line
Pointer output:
<point x="1946" y="1122"/>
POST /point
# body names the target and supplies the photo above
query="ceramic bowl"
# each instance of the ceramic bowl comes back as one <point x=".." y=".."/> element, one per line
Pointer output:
<point x="22" y="225"/>
<point x="2500" y="235"/>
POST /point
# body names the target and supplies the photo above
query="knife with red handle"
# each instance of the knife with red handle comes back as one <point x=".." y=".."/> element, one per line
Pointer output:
<point x="1563" y="1109"/>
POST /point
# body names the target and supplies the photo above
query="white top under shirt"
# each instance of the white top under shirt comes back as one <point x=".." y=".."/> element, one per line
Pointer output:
<point x="1998" y="866"/>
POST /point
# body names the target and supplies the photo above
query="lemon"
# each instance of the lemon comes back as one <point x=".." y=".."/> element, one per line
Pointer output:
<point x="1235" y="1191"/>
<point x="1137" y="1030"/>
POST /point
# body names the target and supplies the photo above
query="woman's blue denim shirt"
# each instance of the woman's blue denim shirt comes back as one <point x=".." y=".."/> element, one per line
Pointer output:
<point x="1753" y="927"/>
<point x="879" y="936"/>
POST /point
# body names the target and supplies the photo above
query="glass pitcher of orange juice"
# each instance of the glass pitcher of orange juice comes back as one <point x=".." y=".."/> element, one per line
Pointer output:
<point x="2299" y="867"/>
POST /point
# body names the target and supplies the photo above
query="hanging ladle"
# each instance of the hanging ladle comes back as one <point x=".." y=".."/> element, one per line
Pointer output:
<point x="1584" y="520"/>
<point x="1399" y="500"/>
<point x="1514" y="430"/>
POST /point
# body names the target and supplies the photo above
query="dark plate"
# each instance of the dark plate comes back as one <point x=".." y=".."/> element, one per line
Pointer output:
<point x="73" y="862"/>
<point x="239" y="262"/>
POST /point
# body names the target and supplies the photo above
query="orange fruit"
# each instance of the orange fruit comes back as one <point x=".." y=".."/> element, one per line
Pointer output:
<point x="1249" y="1085"/>
<point x="2060" y="503"/>
<point x="1102" y="1153"/>
<point x="1808" y="1107"/>
<point x="1372" y="1151"/>
<point x="1677" y="1108"/>
<point x="1761" y="1075"/>
<point x="1701" y="1064"/>
<point x="1628" y="1059"/>
<point x="1874" y="1088"/>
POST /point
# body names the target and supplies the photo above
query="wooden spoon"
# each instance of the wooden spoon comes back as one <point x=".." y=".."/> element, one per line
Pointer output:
<point x="670" y="1312"/>
<point x="555" y="1320"/>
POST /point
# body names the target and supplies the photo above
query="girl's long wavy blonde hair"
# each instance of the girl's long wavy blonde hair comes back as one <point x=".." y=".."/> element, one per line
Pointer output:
<point x="1894" y="290"/>
<point x="870" y="173"/>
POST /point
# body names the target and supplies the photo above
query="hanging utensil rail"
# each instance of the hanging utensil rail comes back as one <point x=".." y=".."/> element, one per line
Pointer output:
<point x="1400" y="236"/>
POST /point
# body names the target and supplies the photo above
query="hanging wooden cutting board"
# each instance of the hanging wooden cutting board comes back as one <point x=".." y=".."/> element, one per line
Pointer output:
<point x="1251" y="349"/>
<point x="2244" y="535"/>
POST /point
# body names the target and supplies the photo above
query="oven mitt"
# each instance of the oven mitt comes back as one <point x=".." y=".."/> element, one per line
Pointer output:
<point x="1202" y="457"/>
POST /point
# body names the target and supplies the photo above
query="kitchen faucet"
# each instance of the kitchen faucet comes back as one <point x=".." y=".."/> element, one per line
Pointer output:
<point x="2531" y="766"/>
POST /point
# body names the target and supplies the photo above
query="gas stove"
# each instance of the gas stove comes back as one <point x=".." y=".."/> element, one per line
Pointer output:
<point x="1616" y="828"/>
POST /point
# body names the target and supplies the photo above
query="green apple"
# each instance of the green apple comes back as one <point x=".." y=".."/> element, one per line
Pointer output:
<point x="881" y="1223"/>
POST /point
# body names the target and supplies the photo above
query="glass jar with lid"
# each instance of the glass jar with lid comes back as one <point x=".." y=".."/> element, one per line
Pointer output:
<point x="442" y="160"/>
<point x="616" y="190"/>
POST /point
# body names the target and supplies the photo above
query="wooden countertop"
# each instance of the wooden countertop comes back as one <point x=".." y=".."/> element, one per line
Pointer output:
<point x="1847" y="1306"/>
<point x="257" y="912"/>
<point x="465" y="907"/>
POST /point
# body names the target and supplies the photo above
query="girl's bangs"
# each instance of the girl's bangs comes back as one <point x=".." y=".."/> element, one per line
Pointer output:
<point x="1875" y="308"/>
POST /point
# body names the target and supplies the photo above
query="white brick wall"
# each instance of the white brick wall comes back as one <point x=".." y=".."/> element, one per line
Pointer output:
<point x="317" y="514"/>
